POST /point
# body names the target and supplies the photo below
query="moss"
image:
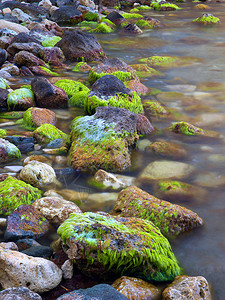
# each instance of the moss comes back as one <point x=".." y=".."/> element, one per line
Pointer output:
<point x="79" y="66"/>
<point x="16" y="96"/>
<point x="47" y="133"/>
<point x="157" y="6"/>
<point x="131" y="102"/>
<point x="110" y="23"/>
<point x="51" y="41"/>
<point x="90" y="16"/>
<point x="49" y="71"/>
<point x="155" y="108"/>
<point x="3" y="133"/>
<point x="3" y="84"/>
<point x="27" y="121"/>
<point x="141" y="249"/>
<point x="140" y="8"/>
<point x="79" y="99"/>
<point x="143" y="24"/>
<point x="121" y="75"/>
<point x="131" y="16"/>
<point x="102" y="28"/>
<point x="167" y="185"/>
<point x="186" y="128"/>
<point x="14" y="192"/>
<point x="207" y="19"/>
<point x="88" y="24"/>
<point x="143" y="70"/>
<point x="12" y="152"/>
<point x="12" y="115"/>
<point x="161" y="61"/>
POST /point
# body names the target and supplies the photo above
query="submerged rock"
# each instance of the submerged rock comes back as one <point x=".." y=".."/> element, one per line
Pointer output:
<point x="8" y="151"/>
<point x="186" y="287"/>
<point x="102" y="245"/>
<point x="14" y="192"/>
<point x="167" y="149"/>
<point x="171" y="219"/>
<point x="19" y="293"/>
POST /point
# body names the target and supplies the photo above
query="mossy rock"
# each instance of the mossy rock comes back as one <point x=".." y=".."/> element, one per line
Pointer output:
<point x="143" y="71"/>
<point x="81" y="67"/>
<point x="8" y="151"/>
<point x="162" y="5"/>
<point x="140" y="8"/>
<point x="91" y="16"/>
<point x="75" y="90"/>
<point x="154" y="108"/>
<point x="3" y="84"/>
<point x="105" y="246"/>
<point x="46" y="133"/>
<point x="102" y="27"/>
<point x="14" y="192"/>
<point x="131" y="16"/>
<point x="50" y="41"/>
<point x="171" y="219"/>
<point x="87" y="25"/>
<point x="207" y="19"/>
<point x="12" y="115"/>
<point x="3" y="133"/>
<point x="148" y="24"/>
<point x="22" y="99"/>
<point x="167" y="149"/>
<point x="48" y="72"/>
<point x="168" y="61"/>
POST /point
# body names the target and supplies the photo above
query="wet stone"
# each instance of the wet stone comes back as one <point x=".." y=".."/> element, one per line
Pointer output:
<point x="39" y="251"/>
<point x="24" y="244"/>
<point x="19" y="293"/>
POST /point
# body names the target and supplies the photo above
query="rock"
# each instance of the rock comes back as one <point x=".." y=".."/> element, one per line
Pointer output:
<point x="78" y="45"/>
<point x="18" y="140"/>
<point x="45" y="3"/>
<point x="20" y="99"/>
<point x="67" y="15"/>
<point x="109" y="3"/>
<point x="210" y="179"/>
<point x="19" y="293"/>
<point x="55" y="209"/>
<point x="67" y="269"/>
<point x="46" y="133"/>
<point x="3" y="56"/>
<point x="115" y="17"/>
<point x="5" y="41"/>
<point x="20" y="15"/>
<point x="210" y="119"/>
<point x="8" y="151"/>
<point x="14" y="192"/>
<point x="25" y="222"/>
<point x="38" y="174"/>
<point x="35" y="117"/>
<point x="6" y="10"/>
<point x="186" y="287"/>
<point x="26" y="148"/>
<point x="171" y="219"/>
<point x="164" y="6"/>
<point x="165" y="169"/>
<point x="167" y="149"/>
<point x="104" y="180"/>
<point x="31" y="47"/>
<point x="3" y="99"/>
<point x="138" y="289"/>
<point x="39" y="251"/>
<point x="24" y="244"/>
<point x="154" y="108"/>
<point x="18" y="269"/>
<point x="40" y="158"/>
<point x="97" y="292"/>
<point x="105" y="246"/>
<point x="53" y="56"/>
<point x="206" y="19"/>
<point x="11" y="69"/>
<point x="13" y="26"/>
<point x="105" y="147"/>
<point x="27" y="59"/>
<point x="9" y="246"/>
<point x="14" y="169"/>
<point x="70" y="195"/>
<point x="110" y="91"/>
<point x="143" y="125"/>
<point x="48" y="95"/>
<point x="131" y="29"/>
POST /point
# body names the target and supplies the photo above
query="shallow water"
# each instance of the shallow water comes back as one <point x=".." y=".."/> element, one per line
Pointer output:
<point x="202" y="251"/>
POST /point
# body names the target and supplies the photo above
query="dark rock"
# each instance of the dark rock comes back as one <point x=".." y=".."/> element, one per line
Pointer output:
<point x="24" y="244"/>
<point x="53" y="56"/>
<point x="97" y="292"/>
<point x="25" y="38"/>
<point x="109" y="3"/>
<point x="58" y="143"/>
<point x="25" y="58"/>
<point x="5" y="41"/>
<point x="3" y="100"/>
<point x="25" y="71"/>
<point x="67" y="175"/>
<point x="47" y="95"/>
<point x="131" y="29"/>
<point x="115" y="17"/>
<point x="26" y="148"/>
<point x="39" y="251"/>
<point x="8" y="152"/>
<point x="66" y="2"/>
<point x="19" y="293"/>
<point x="30" y="47"/>
<point x="18" y="140"/>
<point x="25" y="222"/>
<point x="67" y="15"/>
<point x="143" y="125"/>
<point x="3" y="56"/>
<point x="11" y="18"/>
<point x="78" y="45"/>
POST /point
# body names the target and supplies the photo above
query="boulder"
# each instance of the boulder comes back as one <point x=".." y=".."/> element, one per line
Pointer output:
<point x="20" y="99"/>
<point x="78" y="45"/>
<point x="105" y="246"/>
<point x="52" y="56"/>
<point x="102" y="141"/>
<point x="8" y="151"/>
<point x="38" y="174"/>
<point x="35" y="117"/>
<point x="9" y="246"/>
<point x="25" y="222"/>
<point x="13" y="26"/>
<point x="171" y="219"/>
<point x="27" y="59"/>
<point x="18" y="269"/>
<point x="187" y="287"/>
<point x="19" y="293"/>
<point x="131" y="29"/>
<point x="67" y="15"/>
<point x="14" y="192"/>
<point x="26" y="38"/>
<point x="48" y="95"/>
<point x="135" y="288"/>
<point x="56" y="209"/>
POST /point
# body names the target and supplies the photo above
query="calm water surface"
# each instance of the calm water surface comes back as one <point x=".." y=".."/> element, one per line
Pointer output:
<point x="201" y="252"/>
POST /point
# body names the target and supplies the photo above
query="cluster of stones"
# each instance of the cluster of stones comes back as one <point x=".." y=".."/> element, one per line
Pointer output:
<point x="134" y="239"/>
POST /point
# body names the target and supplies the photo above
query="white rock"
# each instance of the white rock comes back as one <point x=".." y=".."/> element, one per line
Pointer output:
<point x="14" y="169"/>
<point x="45" y="3"/>
<point x="55" y="209"/>
<point x="9" y="246"/>
<point x="20" y="15"/>
<point x="88" y="3"/>
<point x="13" y="26"/>
<point x="67" y="269"/>
<point x="18" y="269"/>
<point x="38" y="174"/>
<point x="6" y="10"/>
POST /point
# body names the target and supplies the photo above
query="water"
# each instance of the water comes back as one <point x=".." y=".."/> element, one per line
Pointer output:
<point x="200" y="252"/>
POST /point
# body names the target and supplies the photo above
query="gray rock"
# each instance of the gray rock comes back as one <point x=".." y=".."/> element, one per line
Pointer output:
<point x="19" y="293"/>
<point x="20" y="15"/>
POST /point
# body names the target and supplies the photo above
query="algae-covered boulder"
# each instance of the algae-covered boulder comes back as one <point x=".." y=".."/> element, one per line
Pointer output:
<point x="35" y="117"/>
<point x="207" y="19"/>
<point x="110" y="91"/>
<point x="163" y="5"/>
<point x="20" y="99"/>
<point x="14" y="192"/>
<point x="46" y="133"/>
<point x="106" y="246"/>
<point x="171" y="219"/>
<point x="103" y="140"/>
<point x="154" y="108"/>
<point x="8" y="151"/>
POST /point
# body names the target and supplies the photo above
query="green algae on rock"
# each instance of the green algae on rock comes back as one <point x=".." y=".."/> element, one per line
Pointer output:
<point x="8" y="151"/>
<point x="91" y="16"/>
<point x="160" y="61"/>
<point x="81" y="67"/>
<point x="46" y="133"/>
<point x="14" y="192"/>
<point x="3" y="84"/>
<point x="170" y="218"/>
<point x="207" y="19"/>
<point x="102" y="27"/>
<point x="131" y="16"/>
<point x="163" y="5"/>
<point x="155" y="109"/>
<point x="50" y="41"/>
<point x="118" y="246"/>
<point x="3" y="133"/>
<point x="22" y="99"/>
<point x="143" y="70"/>
<point x="48" y="72"/>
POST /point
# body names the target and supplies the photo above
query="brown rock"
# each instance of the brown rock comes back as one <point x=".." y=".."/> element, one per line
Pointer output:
<point x="32" y="47"/>
<point x="172" y="219"/>
<point x="25" y="58"/>
<point x="167" y="149"/>
<point x="137" y="86"/>
<point x="143" y="125"/>
<point x="41" y="116"/>
<point x="136" y="289"/>
<point x="53" y="56"/>
<point x="188" y="288"/>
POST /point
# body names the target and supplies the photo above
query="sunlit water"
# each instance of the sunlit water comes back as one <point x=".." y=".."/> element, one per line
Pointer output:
<point x="201" y="252"/>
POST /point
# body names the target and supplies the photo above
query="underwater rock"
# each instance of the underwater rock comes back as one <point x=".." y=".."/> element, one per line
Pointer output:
<point x="154" y="108"/>
<point x="78" y="46"/>
<point x="14" y="192"/>
<point x="187" y="287"/>
<point x="67" y="15"/>
<point x="56" y="209"/>
<point x="135" y="288"/>
<point x="18" y="269"/>
<point x="105" y="246"/>
<point x="19" y="293"/>
<point x="8" y="151"/>
<point x="171" y="219"/>
<point x="20" y="99"/>
<point x="25" y="222"/>
<point x="38" y="174"/>
<point x="47" y="133"/>
<point x="27" y="59"/>
<point x="103" y="140"/>
<point x="167" y="149"/>
<point x="110" y="91"/>
<point x="35" y="117"/>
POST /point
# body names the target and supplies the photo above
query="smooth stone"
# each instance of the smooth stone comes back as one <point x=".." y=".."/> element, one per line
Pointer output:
<point x="102" y="197"/>
<point x="12" y="26"/>
<point x="67" y="269"/>
<point x="142" y="144"/>
<point x="26" y="148"/>
<point x="19" y="293"/>
<point x="39" y="251"/>
<point x="17" y="140"/>
<point x="15" y="169"/>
